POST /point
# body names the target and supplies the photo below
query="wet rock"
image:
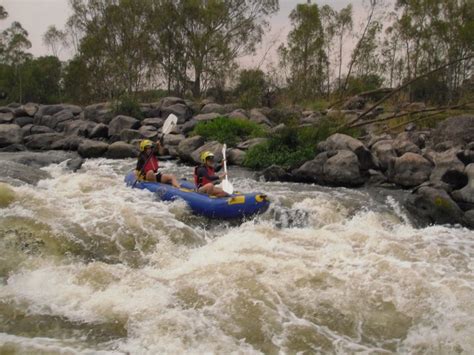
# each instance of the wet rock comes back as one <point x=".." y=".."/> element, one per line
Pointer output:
<point x="7" y="195"/>
<point x="236" y="156"/>
<point x="13" y="148"/>
<point x="38" y="159"/>
<point x="6" y="117"/>
<point x="68" y="143"/>
<point x="251" y="143"/>
<point x="17" y="174"/>
<point x="312" y="171"/>
<point x="466" y="194"/>
<point x="173" y="139"/>
<point x="275" y="173"/>
<point x="432" y="205"/>
<point x="10" y="134"/>
<point x="92" y="149"/>
<point x="181" y="111"/>
<point x="42" y="141"/>
<point x="99" y="131"/>
<point x="384" y="152"/>
<point x="206" y="116"/>
<point x="187" y="146"/>
<point x="214" y="147"/>
<point x="343" y="169"/>
<point x="376" y="178"/>
<point x="119" y="123"/>
<point x="122" y="150"/>
<point x="340" y="141"/>
<point x="23" y="120"/>
<point x="448" y="172"/>
<point x="459" y="130"/>
<point x="409" y="170"/>
<point x="469" y="218"/>
<point x="74" y="164"/>
<point x="212" y="107"/>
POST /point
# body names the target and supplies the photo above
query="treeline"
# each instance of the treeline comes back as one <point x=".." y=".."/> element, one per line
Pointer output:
<point x="141" y="49"/>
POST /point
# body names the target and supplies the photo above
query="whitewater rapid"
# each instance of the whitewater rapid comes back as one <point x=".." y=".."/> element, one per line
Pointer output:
<point x="91" y="266"/>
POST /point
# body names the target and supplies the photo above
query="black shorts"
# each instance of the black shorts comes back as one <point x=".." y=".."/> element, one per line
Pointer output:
<point x="158" y="177"/>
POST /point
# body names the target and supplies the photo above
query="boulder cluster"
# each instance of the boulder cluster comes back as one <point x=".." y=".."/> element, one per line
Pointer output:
<point x="437" y="164"/>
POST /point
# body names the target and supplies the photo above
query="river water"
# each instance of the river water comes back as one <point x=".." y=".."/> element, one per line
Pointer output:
<point x="91" y="266"/>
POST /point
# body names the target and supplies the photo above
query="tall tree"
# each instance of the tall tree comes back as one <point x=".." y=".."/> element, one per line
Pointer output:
<point x="329" y="22"/>
<point x="343" y="26"/>
<point x="305" y="53"/>
<point x="55" y="39"/>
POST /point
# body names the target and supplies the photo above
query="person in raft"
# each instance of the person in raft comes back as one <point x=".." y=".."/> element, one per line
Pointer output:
<point x="205" y="176"/>
<point x="147" y="164"/>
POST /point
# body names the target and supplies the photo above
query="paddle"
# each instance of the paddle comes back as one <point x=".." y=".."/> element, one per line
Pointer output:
<point x="226" y="185"/>
<point x="168" y="126"/>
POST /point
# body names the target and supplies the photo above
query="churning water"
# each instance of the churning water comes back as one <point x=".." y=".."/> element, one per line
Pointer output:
<point x="91" y="266"/>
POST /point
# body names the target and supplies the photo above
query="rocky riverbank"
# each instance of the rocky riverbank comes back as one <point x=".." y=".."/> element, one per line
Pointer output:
<point x="437" y="164"/>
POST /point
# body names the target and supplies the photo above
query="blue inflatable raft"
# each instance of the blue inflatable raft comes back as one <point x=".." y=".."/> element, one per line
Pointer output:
<point x="235" y="206"/>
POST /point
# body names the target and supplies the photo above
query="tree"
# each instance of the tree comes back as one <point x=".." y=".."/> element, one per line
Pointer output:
<point x="251" y="88"/>
<point x="343" y="25"/>
<point x="304" y="53"/>
<point x="328" y="21"/>
<point x="55" y="39"/>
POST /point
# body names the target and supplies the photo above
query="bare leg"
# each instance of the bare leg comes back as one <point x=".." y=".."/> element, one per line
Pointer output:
<point x="170" y="179"/>
<point x="150" y="176"/>
<point x="210" y="189"/>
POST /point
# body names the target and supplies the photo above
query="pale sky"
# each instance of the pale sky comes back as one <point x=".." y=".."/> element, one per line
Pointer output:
<point x="36" y="15"/>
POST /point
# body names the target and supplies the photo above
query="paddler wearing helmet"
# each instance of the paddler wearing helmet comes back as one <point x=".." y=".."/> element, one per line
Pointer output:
<point x="205" y="176"/>
<point x="148" y="164"/>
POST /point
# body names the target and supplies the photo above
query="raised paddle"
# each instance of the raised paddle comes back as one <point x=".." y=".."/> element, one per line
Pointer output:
<point x="226" y="185"/>
<point x="168" y="126"/>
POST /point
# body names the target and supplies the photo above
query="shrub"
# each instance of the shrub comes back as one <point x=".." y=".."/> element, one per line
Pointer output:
<point x="229" y="131"/>
<point x="128" y="106"/>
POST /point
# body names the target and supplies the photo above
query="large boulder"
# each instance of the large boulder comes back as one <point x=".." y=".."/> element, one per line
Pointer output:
<point x="50" y="110"/>
<point x="448" y="171"/>
<point x="30" y="109"/>
<point x="258" y="117"/>
<point x="30" y="129"/>
<point x="67" y="143"/>
<point x="6" y="117"/>
<point x="235" y="156"/>
<point x="170" y="101"/>
<point x="409" y="170"/>
<point x="384" y="152"/>
<point x="121" y="122"/>
<point x="23" y="120"/>
<point x="251" y="143"/>
<point x="149" y="132"/>
<point x="466" y="194"/>
<point x="10" y="134"/>
<point x="431" y="205"/>
<point x="459" y="129"/>
<point x="275" y="173"/>
<point x="78" y="127"/>
<point x="340" y="141"/>
<point x="172" y="139"/>
<point x="99" y="131"/>
<point x="55" y="120"/>
<point x="212" y="107"/>
<point x="153" y="121"/>
<point x="121" y="150"/>
<point x="17" y="174"/>
<point x="406" y="142"/>
<point x="313" y="170"/>
<point x="42" y="141"/>
<point x="100" y="113"/>
<point x="189" y="126"/>
<point x="129" y="135"/>
<point x="214" y="147"/>
<point x="343" y="169"/>
<point x="238" y="114"/>
<point x="206" y="116"/>
<point x="187" y="146"/>
<point x="92" y="149"/>
<point x="181" y="111"/>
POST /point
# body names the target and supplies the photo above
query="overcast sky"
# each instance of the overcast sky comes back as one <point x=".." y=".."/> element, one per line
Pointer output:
<point x="36" y="15"/>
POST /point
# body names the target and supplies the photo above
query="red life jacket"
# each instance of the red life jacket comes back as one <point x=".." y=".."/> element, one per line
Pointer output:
<point x="151" y="164"/>
<point x="202" y="180"/>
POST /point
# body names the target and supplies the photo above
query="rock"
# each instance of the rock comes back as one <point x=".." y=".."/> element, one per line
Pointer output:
<point x="409" y="170"/>
<point x="30" y="108"/>
<point x="28" y="130"/>
<point x="78" y="127"/>
<point x="459" y="130"/>
<point x="340" y="141"/>
<point x="466" y="156"/>
<point x="258" y="117"/>
<point x="50" y="110"/>
<point x="74" y="164"/>
<point x="206" y="116"/>
<point x="343" y="169"/>
<point x="99" y="113"/>
<point x="376" y="178"/>
<point x="172" y="139"/>
<point x="313" y="170"/>
<point x="121" y="150"/>
<point x="313" y="119"/>
<point x="187" y="146"/>
<point x="149" y="132"/>
<point x="214" y="147"/>
<point x="154" y="121"/>
<point x="193" y="105"/>
<point x="374" y="139"/>
<point x="448" y="171"/>
<point x="17" y="174"/>
<point x="466" y="194"/>
<point x="120" y="123"/>
<point x="434" y="206"/>
<point x="38" y="159"/>
<point x="281" y="127"/>
<point x="212" y="107"/>
<point x="23" y="120"/>
<point x="6" y="118"/>
<point x="13" y="148"/>
<point x="181" y="111"/>
<point x="384" y="153"/>
<point x="189" y="126"/>
<point x="251" y="143"/>
<point x="403" y="144"/>
<point x="92" y="149"/>
<point x="355" y="103"/>
<point x="67" y="143"/>
<point x="411" y="127"/>
<point x="54" y="122"/>
<point x="42" y="141"/>
<point x="10" y="134"/>
<point x="275" y="173"/>
<point x="99" y="131"/>
<point x="442" y="146"/>
<point x="469" y="218"/>
<point x="235" y="156"/>
<point x="238" y="114"/>
<point x="128" y="135"/>
<point x="170" y="101"/>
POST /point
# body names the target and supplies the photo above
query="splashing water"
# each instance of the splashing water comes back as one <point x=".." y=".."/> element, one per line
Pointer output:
<point x="89" y="265"/>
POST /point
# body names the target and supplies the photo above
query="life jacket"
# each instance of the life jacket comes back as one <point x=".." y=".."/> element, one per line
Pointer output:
<point x="151" y="164"/>
<point x="202" y="180"/>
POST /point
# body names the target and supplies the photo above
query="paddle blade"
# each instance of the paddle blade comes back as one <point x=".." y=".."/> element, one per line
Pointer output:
<point x="227" y="187"/>
<point x="169" y="124"/>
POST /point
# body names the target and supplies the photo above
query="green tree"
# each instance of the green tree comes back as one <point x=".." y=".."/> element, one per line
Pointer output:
<point x="55" y="39"/>
<point x="251" y="88"/>
<point x="304" y="53"/>
<point x="343" y="26"/>
<point x="329" y="22"/>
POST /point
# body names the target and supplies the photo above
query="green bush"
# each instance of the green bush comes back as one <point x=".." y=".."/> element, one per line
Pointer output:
<point x="227" y="130"/>
<point x="290" y="147"/>
<point x="128" y="106"/>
